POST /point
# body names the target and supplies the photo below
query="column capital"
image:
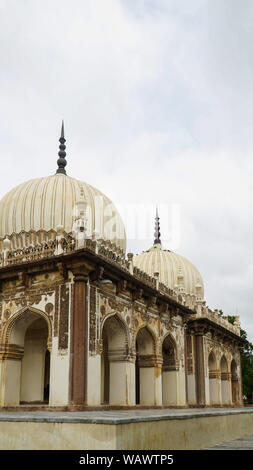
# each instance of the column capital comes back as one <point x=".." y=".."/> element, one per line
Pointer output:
<point x="81" y="271"/>
<point x="80" y="277"/>
<point x="80" y="274"/>
<point x="199" y="330"/>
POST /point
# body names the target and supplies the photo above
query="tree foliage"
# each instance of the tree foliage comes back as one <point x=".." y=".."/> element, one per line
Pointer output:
<point x="246" y="361"/>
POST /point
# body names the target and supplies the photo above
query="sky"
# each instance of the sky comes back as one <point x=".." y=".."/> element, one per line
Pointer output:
<point x="156" y="96"/>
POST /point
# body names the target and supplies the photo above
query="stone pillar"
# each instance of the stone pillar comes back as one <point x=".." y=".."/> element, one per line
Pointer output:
<point x="199" y="367"/>
<point x="190" y="369"/>
<point x="79" y="341"/>
<point x="235" y="390"/>
<point x="170" y="386"/>
<point x="158" y="384"/>
<point x="150" y="380"/>
<point x="122" y="381"/>
<point x="10" y="366"/>
<point x="186" y="352"/>
<point x="214" y="395"/>
<point x="225" y="389"/>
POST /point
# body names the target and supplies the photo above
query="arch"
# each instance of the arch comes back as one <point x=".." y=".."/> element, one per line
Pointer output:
<point x="212" y="362"/>
<point x="213" y="378"/>
<point x="145" y="346"/>
<point x="224" y="380"/>
<point x="169" y="341"/>
<point x="145" y="341"/>
<point x="115" y="354"/>
<point x="7" y="337"/>
<point x="223" y="364"/>
<point x="234" y="368"/>
<point x="234" y="382"/>
<point x="25" y="339"/>
<point x="116" y="316"/>
<point x="169" y="371"/>
<point x="152" y="334"/>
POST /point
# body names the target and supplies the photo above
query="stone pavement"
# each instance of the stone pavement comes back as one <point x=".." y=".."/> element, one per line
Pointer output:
<point x="244" y="443"/>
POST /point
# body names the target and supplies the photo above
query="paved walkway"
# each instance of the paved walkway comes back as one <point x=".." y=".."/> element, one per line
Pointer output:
<point x="244" y="443"/>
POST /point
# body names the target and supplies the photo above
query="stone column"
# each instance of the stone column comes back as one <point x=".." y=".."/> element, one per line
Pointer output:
<point x="79" y="341"/>
<point x="225" y="389"/>
<point x="199" y="367"/>
<point x="190" y="369"/>
<point x="235" y="390"/>
<point x="122" y="380"/>
<point x="214" y="395"/>
<point x="170" y="386"/>
<point x="10" y="367"/>
<point x="186" y="363"/>
<point x="150" y="380"/>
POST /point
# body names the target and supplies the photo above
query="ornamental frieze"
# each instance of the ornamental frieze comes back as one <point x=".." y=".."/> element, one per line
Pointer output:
<point x="109" y="305"/>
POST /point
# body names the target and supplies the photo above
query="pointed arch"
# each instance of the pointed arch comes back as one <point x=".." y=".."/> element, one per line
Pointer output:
<point x="169" y="342"/>
<point x="114" y="360"/>
<point x="213" y="378"/>
<point x="121" y="323"/>
<point x="32" y="313"/>
<point x="170" y="371"/>
<point x="223" y="364"/>
<point x="145" y="364"/>
<point x="146" y="328"/>
<point x="212" y="362"/>
<point x="118" y="333"/>
<point x="234" y="382"/>
<point x="26" y="341"/>
<point x="224" y="380"/>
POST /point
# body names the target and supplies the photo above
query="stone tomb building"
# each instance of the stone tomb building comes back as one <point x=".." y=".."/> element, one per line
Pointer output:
<point x="84" y="324"/>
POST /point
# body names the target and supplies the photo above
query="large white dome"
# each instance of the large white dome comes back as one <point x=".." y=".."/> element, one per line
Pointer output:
<point x="44" y="204"/>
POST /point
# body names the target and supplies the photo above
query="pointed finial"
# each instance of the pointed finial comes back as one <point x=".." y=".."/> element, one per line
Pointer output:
<point x="61" y="162"/>
<point x="157" y="233"/>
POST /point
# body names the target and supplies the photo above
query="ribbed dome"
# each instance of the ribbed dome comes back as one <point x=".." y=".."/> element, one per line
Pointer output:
<point x="48" y="202"/>
<point x="175" y="271"/>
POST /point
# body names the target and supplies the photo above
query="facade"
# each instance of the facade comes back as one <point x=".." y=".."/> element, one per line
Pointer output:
<point x="83" y="324"/>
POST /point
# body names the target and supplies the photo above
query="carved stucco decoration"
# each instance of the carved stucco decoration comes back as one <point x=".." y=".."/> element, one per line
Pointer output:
<point x="219" y="350"/>
<point x="129" y="351"/>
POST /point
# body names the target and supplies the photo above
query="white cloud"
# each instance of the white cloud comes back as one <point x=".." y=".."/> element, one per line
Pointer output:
<point x="156" y="97"/>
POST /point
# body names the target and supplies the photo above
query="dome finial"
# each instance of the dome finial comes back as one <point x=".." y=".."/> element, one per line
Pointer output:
<point x="157" y="233"/>
<point x="61" y="162"/>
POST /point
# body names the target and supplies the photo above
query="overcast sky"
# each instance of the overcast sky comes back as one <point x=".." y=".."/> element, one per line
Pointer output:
<point x="158" y="107"/>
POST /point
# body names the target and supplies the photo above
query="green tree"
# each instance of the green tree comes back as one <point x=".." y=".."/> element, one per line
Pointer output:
<point x="247" y="366"/>
<point x="246" y="361"/>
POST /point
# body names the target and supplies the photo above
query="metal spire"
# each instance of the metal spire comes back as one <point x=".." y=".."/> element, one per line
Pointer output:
<point x="61" y="162"/>
<point x="157" y="233"/>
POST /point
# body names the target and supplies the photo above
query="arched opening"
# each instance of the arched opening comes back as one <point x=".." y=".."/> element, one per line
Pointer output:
<point x="105" y="370"/>
<point x="33" y="365"/>
<point x="234" y="383"/>
<point x="224" y="381"/>
<point x="114" y="363"/>
<point x="213" y="379"/>
<point x="27" y="368"/>
<point x="169" y="372"/>
<point x="144" y="368"/>
<point x="47" y="377"/>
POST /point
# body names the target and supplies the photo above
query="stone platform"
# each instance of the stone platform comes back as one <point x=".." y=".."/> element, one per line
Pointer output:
<point x="126" y="430"/>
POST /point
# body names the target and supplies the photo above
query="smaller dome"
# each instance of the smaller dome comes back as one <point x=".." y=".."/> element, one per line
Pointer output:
<point x="175" y="271"/>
